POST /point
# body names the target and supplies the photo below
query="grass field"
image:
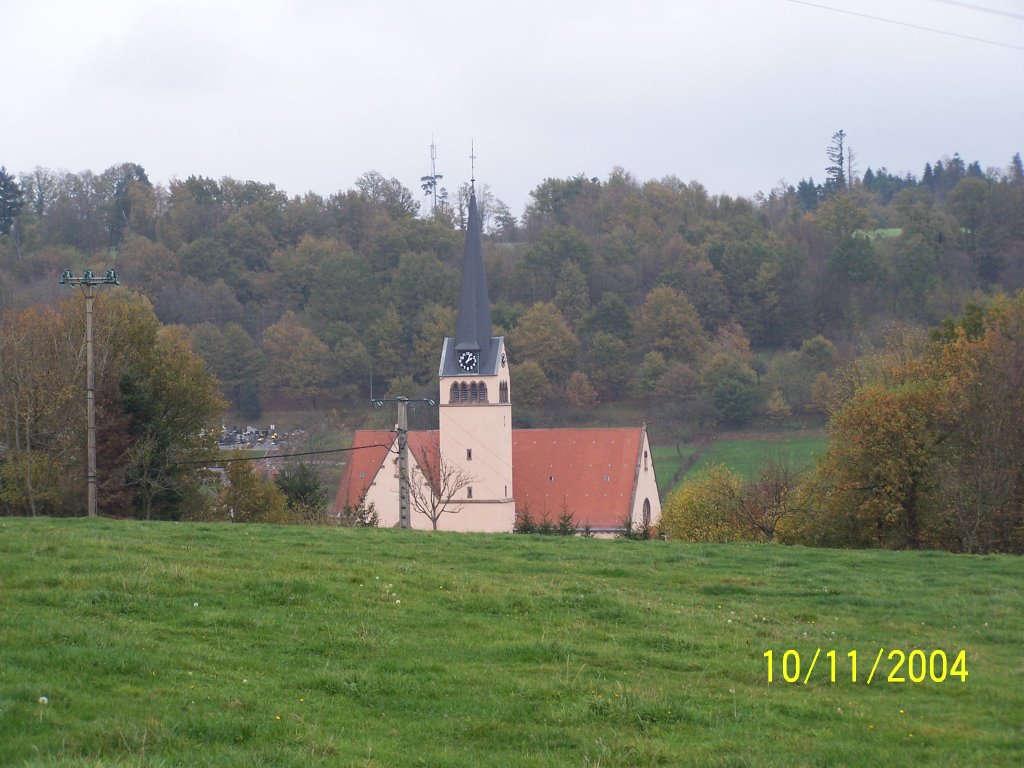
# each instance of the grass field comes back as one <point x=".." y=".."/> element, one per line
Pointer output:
<point x="159" y="644"/>
<point x="747" y="455"/>
<point x="744" y="455"/>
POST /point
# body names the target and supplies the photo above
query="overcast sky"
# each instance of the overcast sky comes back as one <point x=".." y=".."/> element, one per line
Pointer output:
<point x="309" y="94"/>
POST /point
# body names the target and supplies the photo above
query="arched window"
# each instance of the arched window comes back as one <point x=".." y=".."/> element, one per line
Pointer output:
<point x="473" y="392"/>
<point x="481" y="392"/>
<point x="503" y="392"/>
<point x="464" y="392"/>
<point x="647" y="513"/>
<point x="453" y="396"/>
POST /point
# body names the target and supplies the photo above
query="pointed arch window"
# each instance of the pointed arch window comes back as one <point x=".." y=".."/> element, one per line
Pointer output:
<point x="481" y="392"/>
<point x="463" y="392"/>
<point x="473" y="392"/>
<point x="453" y="395"/>
<point x="647" y="513"/>
<point x="503" y="392"/>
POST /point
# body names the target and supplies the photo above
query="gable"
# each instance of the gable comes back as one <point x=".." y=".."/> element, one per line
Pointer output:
<point x="371" y="450"/>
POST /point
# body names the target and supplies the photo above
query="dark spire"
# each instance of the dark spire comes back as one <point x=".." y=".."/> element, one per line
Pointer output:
<point x="473" y="326"/>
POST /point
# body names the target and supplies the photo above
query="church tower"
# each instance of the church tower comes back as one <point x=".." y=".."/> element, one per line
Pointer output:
<point x="475" y="406"/>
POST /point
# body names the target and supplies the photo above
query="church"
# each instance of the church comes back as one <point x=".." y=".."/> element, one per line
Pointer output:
<point x="477" y="473"/>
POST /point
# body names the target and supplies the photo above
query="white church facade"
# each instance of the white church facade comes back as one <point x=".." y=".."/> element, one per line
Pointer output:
<point x="486" y="472"/>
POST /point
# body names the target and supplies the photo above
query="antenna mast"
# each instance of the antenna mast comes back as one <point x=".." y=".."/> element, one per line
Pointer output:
<point x="433" y="171"/>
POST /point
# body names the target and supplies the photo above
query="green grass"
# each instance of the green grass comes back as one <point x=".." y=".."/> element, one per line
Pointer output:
<point x="668" y="462"/>
<point x="163" y="644"/>
<point x="746" y="456"/>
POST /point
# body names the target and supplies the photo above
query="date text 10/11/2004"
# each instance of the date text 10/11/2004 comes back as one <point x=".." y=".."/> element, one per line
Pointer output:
<point x="918" y="666"/>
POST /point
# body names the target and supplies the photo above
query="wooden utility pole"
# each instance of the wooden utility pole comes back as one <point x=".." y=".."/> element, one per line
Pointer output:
<point x="88" y="281"/>
<point x="402" y="428"/>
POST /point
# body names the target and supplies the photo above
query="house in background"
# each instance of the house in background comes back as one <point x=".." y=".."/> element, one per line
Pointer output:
<point x="491" y="472"/>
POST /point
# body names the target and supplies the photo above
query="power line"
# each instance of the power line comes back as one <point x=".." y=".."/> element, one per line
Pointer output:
<point x="279" y="455"/>
<point x="973" y="7"/>
<point x="907" y="24"/>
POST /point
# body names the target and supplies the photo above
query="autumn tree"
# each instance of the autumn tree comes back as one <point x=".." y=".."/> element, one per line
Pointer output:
<point x="705" y="509"/>
<point x="296" y="360"/>
<point x="246" y="498"/>
<point x="668" y="323"/>
<point x="543" y="336"/>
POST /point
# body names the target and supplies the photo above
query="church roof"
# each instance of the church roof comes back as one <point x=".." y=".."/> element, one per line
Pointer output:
<point x="371" y="449"/>
<point x="473" y="322"/>
<point x="591" y="471"/>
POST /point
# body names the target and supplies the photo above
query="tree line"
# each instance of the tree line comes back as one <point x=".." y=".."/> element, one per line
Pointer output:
<point x="702" y="310"/>
<point x="926" y="451"/>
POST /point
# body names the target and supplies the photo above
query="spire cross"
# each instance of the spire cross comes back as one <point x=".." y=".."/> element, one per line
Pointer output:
<point x="472" y="164"/>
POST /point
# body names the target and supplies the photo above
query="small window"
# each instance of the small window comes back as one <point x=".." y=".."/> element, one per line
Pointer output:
<point x="362" y="475"/>
<point x="469" y="454"/>
<point x="469" y="491"/>
<point x="453" y="396"/>
<point x="645" y="460"/>
<point x="551" y="478"/>
<point x="473" y="392"/>
<point x="607" y="478"/>
<point x="647" y="512"/>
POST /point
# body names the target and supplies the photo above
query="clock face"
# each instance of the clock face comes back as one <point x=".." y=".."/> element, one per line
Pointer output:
<point x="468" y="361"/>
<point x="503" y="361"/>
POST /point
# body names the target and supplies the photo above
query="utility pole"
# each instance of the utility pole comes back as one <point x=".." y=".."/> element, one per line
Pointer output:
<point x="88" y="281"/>
<point x="404" y="516"/>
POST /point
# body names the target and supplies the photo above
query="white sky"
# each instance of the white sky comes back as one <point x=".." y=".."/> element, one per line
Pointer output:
<point x="309" y="94"/>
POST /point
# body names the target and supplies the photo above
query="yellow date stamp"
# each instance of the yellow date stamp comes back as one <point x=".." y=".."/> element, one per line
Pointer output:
<point x="916" y="667"/>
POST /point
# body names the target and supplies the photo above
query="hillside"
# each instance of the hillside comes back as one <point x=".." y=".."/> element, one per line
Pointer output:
<point x="170" y="644"/>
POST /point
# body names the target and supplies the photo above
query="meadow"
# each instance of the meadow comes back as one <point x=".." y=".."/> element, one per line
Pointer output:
<point x="161" y="644"/>
<point x="744" y="454"/>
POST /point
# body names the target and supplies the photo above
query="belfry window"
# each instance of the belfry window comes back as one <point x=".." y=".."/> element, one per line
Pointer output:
<point x="473" y="392"/>
<point x="503" y="392"/>
<point x="463" y="392"/>
<point x="453" y="396"/>
<point x="481" y="392"/>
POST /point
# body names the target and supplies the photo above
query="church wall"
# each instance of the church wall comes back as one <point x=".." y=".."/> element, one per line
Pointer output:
<point x="646" y="486"/>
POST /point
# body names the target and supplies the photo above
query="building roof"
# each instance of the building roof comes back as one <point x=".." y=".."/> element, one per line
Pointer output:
<point x="592" y="472"/>
<point x="473" y="322"/>
<point x="371" y="449"/>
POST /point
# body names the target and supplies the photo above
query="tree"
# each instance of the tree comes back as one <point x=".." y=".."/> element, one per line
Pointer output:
<point x="609" y="365"/>
<point x="669" y="324"/>
<point x="433" y="489"/>
<point x="532" y="386"/>
<point x="835" y="177"/>
<point x="248" y="499"/>
<point x="543" y="336"/>
<point x="879" y="465"/>
<point x="303" y="490"/>
<point x="579" y="393"/>
<point x="171" y="402"/>
<point x="296" y="360"/>
<point x="731" y="385"/>
<point x="705" y="509"/>
<point x="390" y="194"/>
<point x="11" y="201"/>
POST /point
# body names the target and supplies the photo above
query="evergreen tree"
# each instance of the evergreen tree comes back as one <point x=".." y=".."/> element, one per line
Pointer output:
<point x="11" y="201"/>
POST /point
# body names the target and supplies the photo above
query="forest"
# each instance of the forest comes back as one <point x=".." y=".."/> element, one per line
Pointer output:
<point x="867" y="294"/>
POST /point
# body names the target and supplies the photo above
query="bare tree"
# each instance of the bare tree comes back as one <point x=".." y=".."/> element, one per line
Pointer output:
<point x="432" y="492"/>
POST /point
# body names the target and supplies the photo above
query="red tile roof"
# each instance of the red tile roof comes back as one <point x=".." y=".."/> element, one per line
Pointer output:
<point x="590" y="471"/>
<point x="371" y="448"/>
